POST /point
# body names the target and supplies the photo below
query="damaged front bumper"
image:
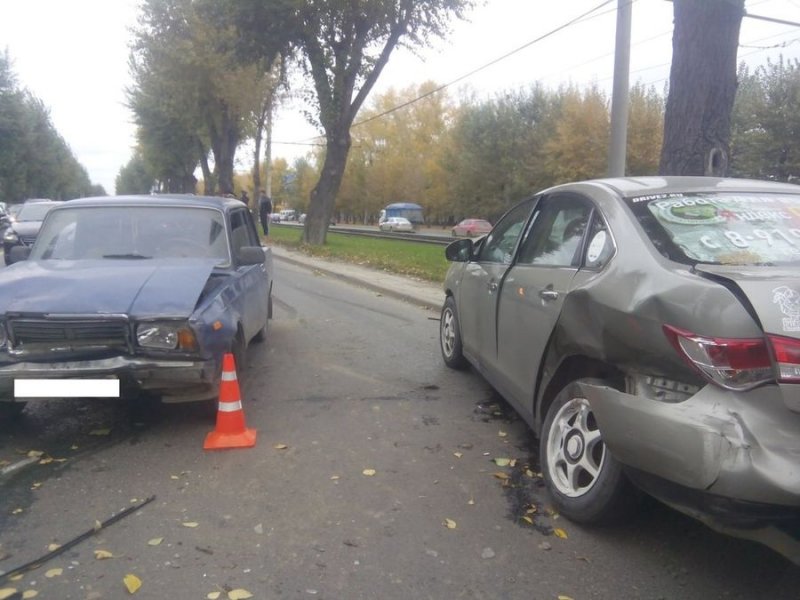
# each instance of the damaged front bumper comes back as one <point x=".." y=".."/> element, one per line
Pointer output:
<point x="175" y="380"/>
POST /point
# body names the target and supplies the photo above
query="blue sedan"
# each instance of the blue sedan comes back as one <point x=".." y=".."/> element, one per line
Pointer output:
<point x="146" y="291"/>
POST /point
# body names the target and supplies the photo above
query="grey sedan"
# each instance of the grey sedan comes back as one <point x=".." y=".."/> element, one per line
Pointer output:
<point x="648" y="331"/>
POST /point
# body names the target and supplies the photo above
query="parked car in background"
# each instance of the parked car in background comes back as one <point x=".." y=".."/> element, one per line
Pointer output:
<point x="150" y="291"/>
<point x="23" y="227"/>
<point x="275" y="217"/>
<point x="396" y="224"/>
<point x="472" y="228"/>
<point x="648" y="331"/>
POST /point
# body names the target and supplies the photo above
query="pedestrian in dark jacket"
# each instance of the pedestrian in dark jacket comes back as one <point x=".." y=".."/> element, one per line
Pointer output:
<point x="264" y="211"/>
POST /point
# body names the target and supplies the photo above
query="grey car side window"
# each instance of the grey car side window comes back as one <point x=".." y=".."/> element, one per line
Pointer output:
<point x="556" y="237"/>
<point x="502" y="241"/>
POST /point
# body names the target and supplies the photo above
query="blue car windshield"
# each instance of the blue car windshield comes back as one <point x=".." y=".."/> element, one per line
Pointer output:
<point x="135" y="232"/>
<point x="723" y="228"/>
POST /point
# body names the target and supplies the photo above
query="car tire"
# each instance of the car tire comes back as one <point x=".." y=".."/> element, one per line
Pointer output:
<point x="450" y="336"/>
<point x="586" y="482"/>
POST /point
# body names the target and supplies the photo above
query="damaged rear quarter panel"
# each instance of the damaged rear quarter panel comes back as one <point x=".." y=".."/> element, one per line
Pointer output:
<point x="740" y="445"/>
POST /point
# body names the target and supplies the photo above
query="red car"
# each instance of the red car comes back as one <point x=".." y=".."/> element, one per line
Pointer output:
<point x="472" y="228"/>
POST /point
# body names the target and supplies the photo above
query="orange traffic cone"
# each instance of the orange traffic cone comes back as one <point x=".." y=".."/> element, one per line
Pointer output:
<point x="230" y="431"/>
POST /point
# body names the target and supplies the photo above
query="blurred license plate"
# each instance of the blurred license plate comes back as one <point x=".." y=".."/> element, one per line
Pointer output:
<point x="66" y="388"/>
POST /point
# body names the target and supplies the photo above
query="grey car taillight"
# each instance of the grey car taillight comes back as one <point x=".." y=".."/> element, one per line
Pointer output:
<point x="732" y="363"/>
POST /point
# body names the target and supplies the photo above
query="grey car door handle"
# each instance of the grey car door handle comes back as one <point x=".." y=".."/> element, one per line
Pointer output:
<point x="548" y="295"/>
<point x="492" y="285"/>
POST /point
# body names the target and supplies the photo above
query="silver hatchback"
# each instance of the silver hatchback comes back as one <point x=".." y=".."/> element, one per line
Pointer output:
<point x="648" y="331"/>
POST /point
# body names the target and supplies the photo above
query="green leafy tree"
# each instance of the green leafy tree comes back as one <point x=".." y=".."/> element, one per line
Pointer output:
<point x="193" y="90"/>
<point x="35" y="161"/>
<point x="136" y="177"/>
<point x="495" y="152"/>
<point x="766" y="122"/>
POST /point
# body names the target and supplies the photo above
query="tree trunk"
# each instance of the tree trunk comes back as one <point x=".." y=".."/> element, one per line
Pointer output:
<point x="323" y="196"/>
<point x="702" y="87"/>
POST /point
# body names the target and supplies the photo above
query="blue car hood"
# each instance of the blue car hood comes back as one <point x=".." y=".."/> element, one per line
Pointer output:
<point x="150" y="287"/>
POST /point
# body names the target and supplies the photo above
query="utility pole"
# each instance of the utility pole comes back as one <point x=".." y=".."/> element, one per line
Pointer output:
<point x="621" y="91"/>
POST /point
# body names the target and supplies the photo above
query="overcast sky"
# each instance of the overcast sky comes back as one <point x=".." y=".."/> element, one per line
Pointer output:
<point x="73" y="55"/>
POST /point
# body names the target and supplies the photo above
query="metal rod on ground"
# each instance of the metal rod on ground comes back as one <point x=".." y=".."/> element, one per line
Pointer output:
<point x="29" y="566"/>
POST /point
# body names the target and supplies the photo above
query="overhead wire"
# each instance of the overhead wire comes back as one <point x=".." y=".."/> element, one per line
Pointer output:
<point x="580" y="18"/>
<point x="588" y="15"/>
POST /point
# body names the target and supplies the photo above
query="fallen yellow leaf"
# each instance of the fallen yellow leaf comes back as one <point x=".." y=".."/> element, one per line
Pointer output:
<point x="17" y="577"/>
<point x="502" y="462"/>
<point x="502" y="433"/>
<point x="562" y="597"/>
<point x="35" y="454"/>
<point x="560" y="533"/>
<point x="155" y="541"/>
<point x="457" y="454"/>
<point x="502" y="476"/>
<point x="528" y="520"/>
<point x="7" y="593"/>
<point x="102" y="554"/>
<point x="190" y="524"/>
<point x="36" y="485"/>
<point x="174" y="477"/>
<point x="53" y="547"/>
<point x="512" y="462"/>
<point x="239" y="594"/>
<point x="369" y="472"/>
<point x="29" y="594"/>
<point x="213" y="595"/>
<point x="46" y="460"/>
<point x="16" y="511"/>
<point x="334" y="477"/>
<point x="54" y="572"/>
<point x="449" y="523"/>
<point x="132" y="583"/>
<point x="280" y="447"/>
<point x="74" y="447"/>
<point x="529" y="473"/>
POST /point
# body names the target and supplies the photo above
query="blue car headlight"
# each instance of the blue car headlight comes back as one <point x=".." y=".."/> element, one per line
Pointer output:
<point x="165" y="336"/>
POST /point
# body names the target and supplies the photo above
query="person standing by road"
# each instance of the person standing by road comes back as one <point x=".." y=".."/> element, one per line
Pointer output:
<point x="264" y="211"/>
<point x="245" y="198"/>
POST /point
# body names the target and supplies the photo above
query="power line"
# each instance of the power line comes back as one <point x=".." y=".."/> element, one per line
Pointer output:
<point x="490" y="63"/>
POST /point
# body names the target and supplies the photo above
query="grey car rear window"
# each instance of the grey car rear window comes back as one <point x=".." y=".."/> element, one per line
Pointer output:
<point x="723" y="228"/>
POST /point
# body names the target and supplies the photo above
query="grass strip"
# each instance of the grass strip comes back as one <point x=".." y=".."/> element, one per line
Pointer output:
<point x="415" y="259"/>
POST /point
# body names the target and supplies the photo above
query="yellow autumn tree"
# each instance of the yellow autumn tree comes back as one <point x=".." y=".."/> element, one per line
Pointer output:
<point x="579" y="147"/>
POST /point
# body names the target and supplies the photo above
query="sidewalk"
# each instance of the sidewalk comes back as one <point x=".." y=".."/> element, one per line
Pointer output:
<point x="422" y="293"/>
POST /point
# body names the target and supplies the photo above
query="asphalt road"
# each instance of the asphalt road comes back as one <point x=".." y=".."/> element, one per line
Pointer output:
<point x="349" y="382"/>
